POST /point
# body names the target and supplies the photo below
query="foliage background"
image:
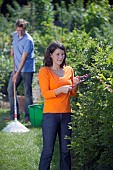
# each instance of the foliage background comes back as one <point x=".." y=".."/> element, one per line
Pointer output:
<point x="87" y="34"/>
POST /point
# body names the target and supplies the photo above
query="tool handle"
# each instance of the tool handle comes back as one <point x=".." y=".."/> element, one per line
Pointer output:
<point x="15" y="108"/>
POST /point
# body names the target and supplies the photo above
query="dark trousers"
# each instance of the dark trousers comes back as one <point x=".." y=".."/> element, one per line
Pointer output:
<point x="26" y="78"/>
<point x="52" y="125"/>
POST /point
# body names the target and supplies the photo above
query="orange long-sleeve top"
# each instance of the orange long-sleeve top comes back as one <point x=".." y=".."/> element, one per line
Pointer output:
<point x="48" y="82"/>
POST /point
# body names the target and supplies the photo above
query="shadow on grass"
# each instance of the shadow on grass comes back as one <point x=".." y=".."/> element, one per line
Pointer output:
<point x="3" y="113"/>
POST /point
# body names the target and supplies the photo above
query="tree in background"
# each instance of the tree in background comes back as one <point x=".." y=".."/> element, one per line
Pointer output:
<point x="40" y="25"/>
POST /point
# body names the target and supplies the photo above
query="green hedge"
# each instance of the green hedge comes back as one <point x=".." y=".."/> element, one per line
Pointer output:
<point x="92" y="125"/>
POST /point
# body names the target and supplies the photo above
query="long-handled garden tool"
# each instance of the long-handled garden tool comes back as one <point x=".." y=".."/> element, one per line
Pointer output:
<point x="15" y="126"/>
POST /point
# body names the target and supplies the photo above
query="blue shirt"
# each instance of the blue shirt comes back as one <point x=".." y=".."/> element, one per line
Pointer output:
<point x="20" y="45"/>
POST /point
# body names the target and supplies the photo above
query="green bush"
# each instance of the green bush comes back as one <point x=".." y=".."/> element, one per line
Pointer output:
<point x="5" y="71"/>
<point x="93" y="111"/>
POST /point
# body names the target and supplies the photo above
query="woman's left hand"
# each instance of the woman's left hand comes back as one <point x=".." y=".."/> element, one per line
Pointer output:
<point x="76" y="79"/>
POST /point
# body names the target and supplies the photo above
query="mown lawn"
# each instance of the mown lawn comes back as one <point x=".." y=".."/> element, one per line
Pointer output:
<point x="21" y="151"/>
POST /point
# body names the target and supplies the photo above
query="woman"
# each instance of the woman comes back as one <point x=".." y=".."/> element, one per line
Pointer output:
<point x="56" y="83"/>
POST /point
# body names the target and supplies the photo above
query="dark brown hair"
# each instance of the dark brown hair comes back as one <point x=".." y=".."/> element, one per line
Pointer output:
<point x="21" y="23"/>
<point x="50" y="49"/>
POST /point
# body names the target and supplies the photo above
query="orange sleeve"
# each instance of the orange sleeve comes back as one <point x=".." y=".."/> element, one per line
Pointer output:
<point x="43" y="78"/>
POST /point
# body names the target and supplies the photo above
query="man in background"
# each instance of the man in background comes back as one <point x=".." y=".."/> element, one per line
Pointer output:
<point x="24" y="67"/>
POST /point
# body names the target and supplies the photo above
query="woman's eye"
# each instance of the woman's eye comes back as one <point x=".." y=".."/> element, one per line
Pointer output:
<point x="60" y="54"/>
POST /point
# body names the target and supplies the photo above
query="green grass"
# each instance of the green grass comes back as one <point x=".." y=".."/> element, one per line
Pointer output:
<point x="21" y="151"/>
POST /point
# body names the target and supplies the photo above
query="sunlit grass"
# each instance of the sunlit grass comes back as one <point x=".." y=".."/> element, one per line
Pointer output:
<point x="21" y="151"/>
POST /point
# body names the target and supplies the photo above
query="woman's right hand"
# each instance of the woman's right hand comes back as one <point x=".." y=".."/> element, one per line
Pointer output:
<point x="64" y="89"/>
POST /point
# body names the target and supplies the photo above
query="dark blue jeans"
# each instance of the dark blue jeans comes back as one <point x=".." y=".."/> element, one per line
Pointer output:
<point x="52" y="125"/>
<point x="26" y="78"/>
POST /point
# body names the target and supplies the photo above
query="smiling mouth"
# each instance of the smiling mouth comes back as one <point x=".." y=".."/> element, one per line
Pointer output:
<point x="60" y="60"/>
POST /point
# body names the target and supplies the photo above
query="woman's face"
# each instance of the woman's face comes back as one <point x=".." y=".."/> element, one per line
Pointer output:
<point x="58" y="56"/>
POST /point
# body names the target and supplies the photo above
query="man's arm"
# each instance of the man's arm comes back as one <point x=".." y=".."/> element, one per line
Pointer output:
<point x="24" y="57"/>
<point x="12" y="52"/>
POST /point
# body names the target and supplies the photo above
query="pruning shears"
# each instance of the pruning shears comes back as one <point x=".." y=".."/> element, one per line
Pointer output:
<point x="82" y="79"/>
